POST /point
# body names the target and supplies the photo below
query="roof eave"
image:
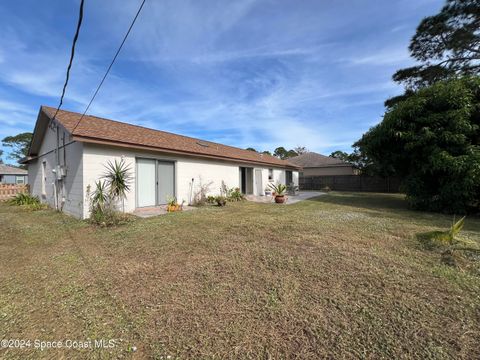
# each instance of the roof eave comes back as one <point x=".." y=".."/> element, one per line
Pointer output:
<point x="94" y="140"/>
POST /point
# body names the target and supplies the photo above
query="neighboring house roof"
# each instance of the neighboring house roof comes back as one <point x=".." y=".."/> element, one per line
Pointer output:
<point x="11" y="170"/>
<point x="99" y="130"/>
<point x="314" y="160"/>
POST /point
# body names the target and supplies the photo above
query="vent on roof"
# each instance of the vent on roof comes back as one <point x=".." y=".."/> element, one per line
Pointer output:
<point x="201" y="143"/>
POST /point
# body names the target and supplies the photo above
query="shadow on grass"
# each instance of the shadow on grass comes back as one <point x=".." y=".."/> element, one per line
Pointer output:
<point x="393" y="206"/>
<point x="372" y="201"/>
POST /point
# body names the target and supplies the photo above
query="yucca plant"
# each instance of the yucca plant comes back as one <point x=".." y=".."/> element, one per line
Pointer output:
<point x="448" y="241"/>
<point x="118" y="180"/>
<point x="100" y="195"/>
<point x="278" y="189"/>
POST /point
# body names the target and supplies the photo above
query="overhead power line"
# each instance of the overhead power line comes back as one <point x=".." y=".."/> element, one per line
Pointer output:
<point x="72" y="55"/>
<point x="111" y="64"/>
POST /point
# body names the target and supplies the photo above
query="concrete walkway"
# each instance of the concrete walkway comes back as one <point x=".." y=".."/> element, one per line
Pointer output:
<point x="291" y="199"/>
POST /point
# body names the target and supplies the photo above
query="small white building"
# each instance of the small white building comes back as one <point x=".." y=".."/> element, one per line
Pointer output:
<point x="13" y="175"/>
<point x="67" y="156"/>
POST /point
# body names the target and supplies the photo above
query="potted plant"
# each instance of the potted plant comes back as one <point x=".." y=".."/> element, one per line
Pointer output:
<point x="279" y="192"/>
<point x="173" y="205"/>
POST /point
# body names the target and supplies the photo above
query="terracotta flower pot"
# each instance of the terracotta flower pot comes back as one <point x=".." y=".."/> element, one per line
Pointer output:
<point x="280" y="199"/>
<point x="173" y="208"/>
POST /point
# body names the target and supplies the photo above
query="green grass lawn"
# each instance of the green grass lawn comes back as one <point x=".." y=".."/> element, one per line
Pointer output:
<point x="339" y="276"/>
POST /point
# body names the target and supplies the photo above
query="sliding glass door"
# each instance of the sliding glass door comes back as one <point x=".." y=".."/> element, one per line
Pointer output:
<point x="155" y="182"/>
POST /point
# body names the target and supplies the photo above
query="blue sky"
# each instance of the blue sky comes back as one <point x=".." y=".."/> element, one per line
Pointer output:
<point x="258" y="73"/>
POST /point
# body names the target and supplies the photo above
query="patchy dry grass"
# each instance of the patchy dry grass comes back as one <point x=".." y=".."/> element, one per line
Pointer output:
<point x="339" y="276"/>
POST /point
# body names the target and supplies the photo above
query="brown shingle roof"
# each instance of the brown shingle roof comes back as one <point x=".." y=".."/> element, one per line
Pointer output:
<point x="11" y="170"/>
<point x="312" y="159"/>
<point x="96" y="128"/>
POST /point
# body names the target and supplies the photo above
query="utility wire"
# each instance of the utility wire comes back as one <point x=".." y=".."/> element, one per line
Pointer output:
<point x="72" y="55"/>
<point x="111" y="64"/>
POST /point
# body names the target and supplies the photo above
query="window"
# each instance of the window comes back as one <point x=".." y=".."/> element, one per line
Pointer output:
<point x="270" y="174"/>
<point x="20" y="180"/>
<point x="44" y="177"/>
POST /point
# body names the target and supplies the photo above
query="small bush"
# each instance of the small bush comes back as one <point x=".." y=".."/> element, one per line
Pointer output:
<point x="107" y="216"/>
<point x="221" y="200"/>
<point x="211" y="199"/>
<point x="27" y="202"/>
<point x="235" y="195"/>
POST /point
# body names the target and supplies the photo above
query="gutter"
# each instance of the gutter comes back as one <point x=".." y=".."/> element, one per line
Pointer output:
<point x="179" y="152"/>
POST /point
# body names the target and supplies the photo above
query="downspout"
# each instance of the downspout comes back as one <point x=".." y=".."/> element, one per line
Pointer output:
<point x="191" y="190"/>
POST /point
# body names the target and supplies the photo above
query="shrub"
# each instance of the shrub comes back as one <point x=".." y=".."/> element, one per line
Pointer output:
<point x="211" y="199"/>
<point x="235" y="195"/>
<point x="221" y="200"/>
<point x="431" y="140"/>
<point x="27" y="201"/>
<point x="24" y="199"/>
<point x="108" y="216"/>
<point x="108" y="192"/>
<point x="231" y="194"/>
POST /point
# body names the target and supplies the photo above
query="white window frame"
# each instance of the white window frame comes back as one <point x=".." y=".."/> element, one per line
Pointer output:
<point x="20" y="180"/>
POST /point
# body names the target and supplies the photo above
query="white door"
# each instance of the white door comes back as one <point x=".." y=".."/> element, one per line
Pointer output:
<point x="258" y="182"/>
<point x="146" y="182"/>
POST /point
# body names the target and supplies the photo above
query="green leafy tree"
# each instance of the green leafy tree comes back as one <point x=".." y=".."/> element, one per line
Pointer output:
<point x="446" y="44"/>
<point x="280" y="152"/>
<point x="291" y="153"/>
<point x="299" y="150"/>
<point x="432" y="141"/>
<point x="251" y="149"/>
<point x="19" y="143"/>
<point x="266" y="152"/>
<point x="283" y="153"/>
<point x="342" y="155"/>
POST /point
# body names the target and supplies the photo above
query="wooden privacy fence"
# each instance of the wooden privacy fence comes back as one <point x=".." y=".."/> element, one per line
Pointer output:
<point x="8" y="191"/>
<point x="351" y="183"/>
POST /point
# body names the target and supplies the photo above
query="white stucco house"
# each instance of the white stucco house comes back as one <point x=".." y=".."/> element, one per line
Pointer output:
<point x="66" y="157"/>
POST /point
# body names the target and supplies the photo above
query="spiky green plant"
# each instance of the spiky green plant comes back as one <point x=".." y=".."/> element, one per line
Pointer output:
<point x="279" y="189"/>
<point x="118" y="179"/>
<point x="100" y="195"/>
<point x="449" y="240"/>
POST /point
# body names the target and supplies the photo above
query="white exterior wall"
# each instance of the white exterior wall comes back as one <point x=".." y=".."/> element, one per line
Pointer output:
<point x="202" y="171"/>
<point x="70" y="188"/>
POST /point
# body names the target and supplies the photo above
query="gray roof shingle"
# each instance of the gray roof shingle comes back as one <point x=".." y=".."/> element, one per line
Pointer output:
<point x="312" y="159"/>
<point x="11" y="170"/>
